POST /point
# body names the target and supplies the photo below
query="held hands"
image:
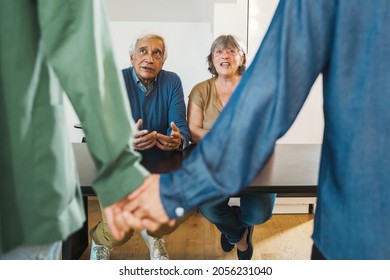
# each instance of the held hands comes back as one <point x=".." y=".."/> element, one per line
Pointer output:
<point x="117" y="220"/>
<point x="141" y="209"/>
<point x="143" y="140"/>
<point x="145" y="204"/>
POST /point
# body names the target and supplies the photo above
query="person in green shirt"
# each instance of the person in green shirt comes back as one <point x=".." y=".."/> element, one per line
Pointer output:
<point x="48" y="48"/>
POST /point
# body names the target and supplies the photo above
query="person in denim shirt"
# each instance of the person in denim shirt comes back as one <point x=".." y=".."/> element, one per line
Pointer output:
<point x="349" y="43"/>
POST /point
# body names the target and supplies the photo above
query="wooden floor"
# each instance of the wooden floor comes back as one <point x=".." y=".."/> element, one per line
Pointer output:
<point x="283" y="237"/>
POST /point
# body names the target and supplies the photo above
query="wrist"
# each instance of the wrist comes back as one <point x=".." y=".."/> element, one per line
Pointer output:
<point x="180" y="147"/>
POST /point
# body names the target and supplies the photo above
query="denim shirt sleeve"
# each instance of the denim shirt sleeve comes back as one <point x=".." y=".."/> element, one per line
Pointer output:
<point x="265" y="104"/>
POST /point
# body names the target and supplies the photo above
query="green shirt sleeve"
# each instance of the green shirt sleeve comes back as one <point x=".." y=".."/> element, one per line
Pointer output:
<point x="76" y="40"/>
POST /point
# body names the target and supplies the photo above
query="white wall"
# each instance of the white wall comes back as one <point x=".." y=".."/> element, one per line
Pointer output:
<point x="189" y="27"/>
<point x="309" y="125"/>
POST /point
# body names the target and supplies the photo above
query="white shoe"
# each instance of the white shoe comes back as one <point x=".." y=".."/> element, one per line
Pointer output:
<point x="156" y="246"/>
<point x="99" y="252"/>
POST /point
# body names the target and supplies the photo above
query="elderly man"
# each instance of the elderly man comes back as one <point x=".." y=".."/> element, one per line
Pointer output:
<point x="156" y="97"/>
<point x="157" y="104"/>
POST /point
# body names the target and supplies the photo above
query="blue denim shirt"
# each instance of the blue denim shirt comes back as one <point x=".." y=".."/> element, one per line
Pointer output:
<point x="349" y="43"/>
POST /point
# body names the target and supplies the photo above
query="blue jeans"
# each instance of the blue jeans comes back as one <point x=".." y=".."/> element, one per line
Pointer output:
<point x="232" y="221"/>
<point x="50" y="251"/>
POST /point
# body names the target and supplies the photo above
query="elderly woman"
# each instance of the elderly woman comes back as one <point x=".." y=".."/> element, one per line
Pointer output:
<point x="227" y="62"/>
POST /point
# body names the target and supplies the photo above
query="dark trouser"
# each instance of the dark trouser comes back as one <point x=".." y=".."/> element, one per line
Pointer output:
<point x="316" y="254"/>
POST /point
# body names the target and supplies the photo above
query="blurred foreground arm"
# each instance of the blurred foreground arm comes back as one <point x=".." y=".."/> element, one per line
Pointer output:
<point x="80" y="33"/>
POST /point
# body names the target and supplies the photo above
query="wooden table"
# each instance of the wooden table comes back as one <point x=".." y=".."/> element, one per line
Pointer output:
<point x="292" y="170"/>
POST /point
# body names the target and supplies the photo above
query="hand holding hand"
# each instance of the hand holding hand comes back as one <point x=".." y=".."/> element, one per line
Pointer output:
<point x="139" y="210"/>
<point x="118" y="221"/>
<point x="145" y="206"/>
<point x="172" y="142"/>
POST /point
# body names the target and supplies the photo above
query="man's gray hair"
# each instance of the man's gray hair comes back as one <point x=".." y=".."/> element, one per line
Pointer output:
<point x="148" y="36"/>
